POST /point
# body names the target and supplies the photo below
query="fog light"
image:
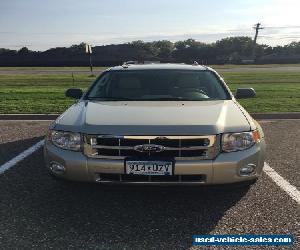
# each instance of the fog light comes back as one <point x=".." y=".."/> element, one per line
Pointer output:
<point x="247" y="169"/>
<point x="57" y="168"/>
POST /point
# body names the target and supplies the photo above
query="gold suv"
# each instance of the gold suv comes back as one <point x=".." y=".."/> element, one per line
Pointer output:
<point x="156" y="124"/>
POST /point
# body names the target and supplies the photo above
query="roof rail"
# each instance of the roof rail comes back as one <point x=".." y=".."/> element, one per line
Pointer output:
<point x="206" y="67"/>
<point x="127" y="63"/>
<point x="151" y="62"/>
<point x="130" y="62"/>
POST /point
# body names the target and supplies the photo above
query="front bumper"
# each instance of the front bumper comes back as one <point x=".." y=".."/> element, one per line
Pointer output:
<point x="223" y="169"/>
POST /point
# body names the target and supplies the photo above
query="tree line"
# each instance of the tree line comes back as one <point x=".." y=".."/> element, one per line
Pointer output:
<point x="233" y="50"/>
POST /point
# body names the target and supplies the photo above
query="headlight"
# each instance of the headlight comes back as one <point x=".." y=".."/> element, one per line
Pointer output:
<point x="65" y="140"/>
<point x="239" y="141"/>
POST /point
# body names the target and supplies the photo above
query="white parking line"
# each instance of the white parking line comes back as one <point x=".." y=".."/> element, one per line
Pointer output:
<point x="20" y="157"/>
<point x="291" y="190"/>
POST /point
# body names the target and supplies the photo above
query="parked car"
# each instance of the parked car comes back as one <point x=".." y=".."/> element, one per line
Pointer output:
<point x="156" y="124"/>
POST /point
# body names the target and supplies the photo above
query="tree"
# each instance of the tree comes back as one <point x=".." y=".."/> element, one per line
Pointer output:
<point x="191" y="50"/>
<point x="163" y="48"/>
<point x="23" y="51"/>
<point x="7" y="51"/>
<point x="231" y="49"/>
<point x="292" y="48"/>
<point x="241" y="46"/>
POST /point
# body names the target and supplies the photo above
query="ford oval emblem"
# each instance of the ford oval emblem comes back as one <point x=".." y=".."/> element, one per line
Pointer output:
<point x="149" y="148"/>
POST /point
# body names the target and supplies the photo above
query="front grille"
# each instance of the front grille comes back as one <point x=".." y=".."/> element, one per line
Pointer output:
<point x="102" y="177"/>
<point x="177" y="147"/>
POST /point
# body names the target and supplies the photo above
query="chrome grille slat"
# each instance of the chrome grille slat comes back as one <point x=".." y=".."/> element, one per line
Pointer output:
<point x="177" y="147"/>
<point x="151" y="137"/>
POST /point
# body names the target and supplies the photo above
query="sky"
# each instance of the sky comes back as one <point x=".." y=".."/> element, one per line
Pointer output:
<point x="44" y="24"/>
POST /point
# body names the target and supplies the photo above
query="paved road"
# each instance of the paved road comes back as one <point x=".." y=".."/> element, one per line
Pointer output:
<point x="260" y="68"/>
<point x="37" y="212"/>
<point x="97" y="70"/>
<point x="50" y="71"/>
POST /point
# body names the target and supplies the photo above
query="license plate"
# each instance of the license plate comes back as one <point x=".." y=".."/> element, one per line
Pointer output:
<point x="149" y="167"/>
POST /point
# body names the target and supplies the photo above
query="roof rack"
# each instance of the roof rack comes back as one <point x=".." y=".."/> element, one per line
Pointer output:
<point x="131" y="62"/>
<point x="127" y="63"/>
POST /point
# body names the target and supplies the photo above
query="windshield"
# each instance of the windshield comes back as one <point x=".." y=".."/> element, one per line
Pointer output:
<point x="157" y="85"/>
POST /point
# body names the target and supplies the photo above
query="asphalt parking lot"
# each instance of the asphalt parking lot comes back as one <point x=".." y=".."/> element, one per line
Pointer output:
<point x="38" y="212"/>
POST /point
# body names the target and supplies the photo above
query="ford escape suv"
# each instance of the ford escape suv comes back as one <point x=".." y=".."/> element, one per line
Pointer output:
<point x="156" y="124"/>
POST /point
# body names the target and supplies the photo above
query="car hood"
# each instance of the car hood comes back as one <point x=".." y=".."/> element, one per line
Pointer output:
<point x="154" y="118"/>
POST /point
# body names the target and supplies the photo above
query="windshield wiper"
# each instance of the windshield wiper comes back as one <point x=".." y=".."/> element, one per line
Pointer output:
<point x="172" y="99"/>
<point x="163" y="99"/>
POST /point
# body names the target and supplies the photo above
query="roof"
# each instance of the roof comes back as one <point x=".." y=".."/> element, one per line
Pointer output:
<point x="159" y="66"/>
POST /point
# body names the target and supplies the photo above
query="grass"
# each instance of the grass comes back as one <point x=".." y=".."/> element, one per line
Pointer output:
<point x="276" y="92"/>
<point x="38" y="93"/>
<point x="44" y="93"/>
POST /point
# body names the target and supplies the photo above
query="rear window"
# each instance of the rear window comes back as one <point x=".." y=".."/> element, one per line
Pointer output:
<point x="158" y="85"/>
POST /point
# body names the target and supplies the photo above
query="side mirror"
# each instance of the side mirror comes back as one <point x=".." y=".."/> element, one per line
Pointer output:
<point x="74" y="93"/>
<point x="244" y="93"/>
